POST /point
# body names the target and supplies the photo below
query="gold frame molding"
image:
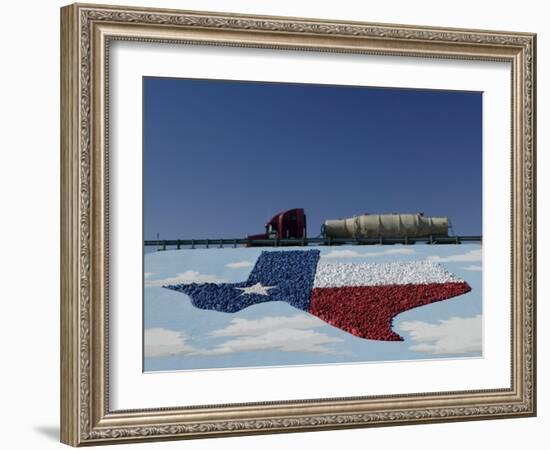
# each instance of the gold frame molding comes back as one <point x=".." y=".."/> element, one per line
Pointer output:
<point x="86" y="31"/>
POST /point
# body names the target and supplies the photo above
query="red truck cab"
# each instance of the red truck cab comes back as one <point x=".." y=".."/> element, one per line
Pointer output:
<point x="289" y="224"/>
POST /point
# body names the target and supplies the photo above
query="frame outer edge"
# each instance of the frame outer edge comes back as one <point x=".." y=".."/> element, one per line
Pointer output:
<point x="533" y="228"/>
<point x="534" y="237"/>
<point x="69" y="311"/>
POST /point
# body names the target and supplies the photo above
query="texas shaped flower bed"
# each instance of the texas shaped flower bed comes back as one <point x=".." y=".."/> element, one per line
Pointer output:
<point x="359" y="298"/>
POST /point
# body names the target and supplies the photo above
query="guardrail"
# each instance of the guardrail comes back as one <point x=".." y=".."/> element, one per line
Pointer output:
<point x="221" y="243"/>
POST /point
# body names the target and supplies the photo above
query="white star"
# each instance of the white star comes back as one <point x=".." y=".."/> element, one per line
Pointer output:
<point x="257" y="288"/>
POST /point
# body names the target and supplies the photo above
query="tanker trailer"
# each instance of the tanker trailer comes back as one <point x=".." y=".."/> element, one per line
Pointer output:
<point x="386" y="225"/>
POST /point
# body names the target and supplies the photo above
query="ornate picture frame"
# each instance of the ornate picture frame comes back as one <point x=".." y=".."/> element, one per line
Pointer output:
<point x="87" y="32"/>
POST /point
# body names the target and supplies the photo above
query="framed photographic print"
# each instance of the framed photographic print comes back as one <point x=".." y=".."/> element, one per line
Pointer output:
<point x="275" y="224"/>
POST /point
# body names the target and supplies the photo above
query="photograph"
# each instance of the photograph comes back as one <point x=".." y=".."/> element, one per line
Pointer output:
<point x="300" y="224"/>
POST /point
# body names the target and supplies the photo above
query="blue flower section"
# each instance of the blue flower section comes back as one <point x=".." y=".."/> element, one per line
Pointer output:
<point x="285" y="276"/>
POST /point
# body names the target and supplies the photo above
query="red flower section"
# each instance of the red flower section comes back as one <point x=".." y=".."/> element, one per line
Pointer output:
<point x="368" y="311"/>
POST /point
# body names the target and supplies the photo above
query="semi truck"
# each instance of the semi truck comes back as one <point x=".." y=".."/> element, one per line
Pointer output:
<point x="291" y="224"/>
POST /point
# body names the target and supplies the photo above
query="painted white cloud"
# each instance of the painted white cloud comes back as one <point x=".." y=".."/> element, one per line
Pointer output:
<point x="242" y="327"/>
<point x="239" y="265"/>
<point x="189" y="276"/>
<point x="356" y="254"/>
<point x="286" y="334"/>
<point x="471" y="256"/>
<point x="472" y="268"/>
<point x="285" y="340"/>
<point x="160" y="342"/>
<point x="454" y="336"/>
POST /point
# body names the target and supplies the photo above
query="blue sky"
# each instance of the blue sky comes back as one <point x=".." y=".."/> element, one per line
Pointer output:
<point x="179" y="336"/>
<point x="222" y="157"/>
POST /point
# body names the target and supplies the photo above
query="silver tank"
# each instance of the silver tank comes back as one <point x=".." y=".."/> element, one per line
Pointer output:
<point x="387" y="225"/>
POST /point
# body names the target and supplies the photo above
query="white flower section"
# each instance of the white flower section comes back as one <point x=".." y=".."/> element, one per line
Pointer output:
<point x="372" y="274"/>
<point x="472" y="268"/>
<point x="471" y="256"/>
<point x="239" y="265"/>
<point x="286" y="334"/>
<point x="454" y="336"/>
<point x="335" y="254"/>
<point x="160" y="342"/>
<point x="189" y="276"/>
